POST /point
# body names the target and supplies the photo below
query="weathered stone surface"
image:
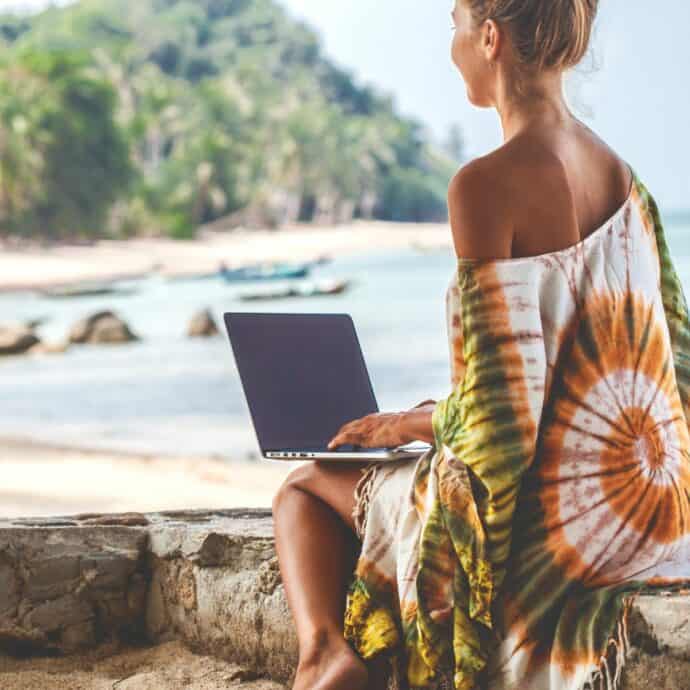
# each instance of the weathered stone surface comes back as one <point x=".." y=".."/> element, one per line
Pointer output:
<point x="202" y="325"/>
<point x="101" y="327"/>
<point x="215" y="584"/>
<point x="51" y="577"/>
<point x="15" y="340"/>
<point x="9" y="587"/>
<point x="210" y="578"/>
<point x="58" y="613"/>
<point x="661" y="624"/>
<point x="61" y="580"/>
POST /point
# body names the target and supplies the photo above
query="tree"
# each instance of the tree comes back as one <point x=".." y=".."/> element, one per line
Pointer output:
<point x="76" y="162"/>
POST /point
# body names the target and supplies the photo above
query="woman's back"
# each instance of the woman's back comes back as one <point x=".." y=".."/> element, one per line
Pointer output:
<point x="552" y="187"/>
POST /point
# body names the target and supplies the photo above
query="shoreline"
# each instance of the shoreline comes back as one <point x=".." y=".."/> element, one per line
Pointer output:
<point x="43" y="479"/>
<point x="66" y="264"/>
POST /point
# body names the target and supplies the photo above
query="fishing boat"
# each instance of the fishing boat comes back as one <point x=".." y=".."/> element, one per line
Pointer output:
<point x="277" y="271"/>
<point x="308" y="289"/>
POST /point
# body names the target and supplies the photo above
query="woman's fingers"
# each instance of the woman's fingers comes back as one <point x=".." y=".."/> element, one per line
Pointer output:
<point x="342" y="438"/>
<point x="360" y="432"/>
<point x="348" y="433"/>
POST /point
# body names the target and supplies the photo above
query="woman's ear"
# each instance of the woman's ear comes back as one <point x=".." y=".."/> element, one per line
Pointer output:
<point x="492" y="40"/>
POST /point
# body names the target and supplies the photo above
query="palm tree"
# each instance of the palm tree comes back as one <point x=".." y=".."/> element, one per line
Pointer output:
<point x="22" y="143"/>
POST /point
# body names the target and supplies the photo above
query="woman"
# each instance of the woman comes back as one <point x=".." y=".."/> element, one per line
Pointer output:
<point x="557" y="484"/>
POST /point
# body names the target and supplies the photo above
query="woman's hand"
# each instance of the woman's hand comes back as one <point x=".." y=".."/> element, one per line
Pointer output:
<point x="376" y="430"/>
<point x="387" y="429"/>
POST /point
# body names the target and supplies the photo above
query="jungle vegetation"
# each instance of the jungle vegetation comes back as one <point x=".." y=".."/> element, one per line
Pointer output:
<point x="127" y="117"/>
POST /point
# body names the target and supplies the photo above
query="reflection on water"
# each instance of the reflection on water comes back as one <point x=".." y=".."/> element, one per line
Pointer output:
<point x="178" y="395"/>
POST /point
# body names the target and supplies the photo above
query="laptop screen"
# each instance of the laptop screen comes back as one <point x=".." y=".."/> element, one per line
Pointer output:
<point x="303" y="376"/>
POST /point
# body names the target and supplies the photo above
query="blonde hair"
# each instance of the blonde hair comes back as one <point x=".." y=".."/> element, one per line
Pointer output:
<point x="544" y="33"/>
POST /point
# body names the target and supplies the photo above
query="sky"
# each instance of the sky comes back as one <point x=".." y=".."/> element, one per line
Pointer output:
<point x="631" y="89"/>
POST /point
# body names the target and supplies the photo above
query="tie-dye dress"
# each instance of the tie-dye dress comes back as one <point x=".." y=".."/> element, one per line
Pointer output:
<point x="558" y="485"/>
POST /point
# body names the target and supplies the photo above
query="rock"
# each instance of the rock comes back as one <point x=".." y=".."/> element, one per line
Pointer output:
<point x="128" y="519"/>
<point x="202" y="325"/>
<point x="33" y="324"/>
<point x="15" y="340"/>
<point x="101" y="327"/>
<point x="43" y="348"/>
<point x="65" y="587"/>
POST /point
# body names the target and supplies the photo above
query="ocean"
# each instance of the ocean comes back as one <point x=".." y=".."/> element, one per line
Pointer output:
<point x="174" y="395"/>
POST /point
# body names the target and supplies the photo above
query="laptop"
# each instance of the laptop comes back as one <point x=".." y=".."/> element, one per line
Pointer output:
<point x="304" y="376"/>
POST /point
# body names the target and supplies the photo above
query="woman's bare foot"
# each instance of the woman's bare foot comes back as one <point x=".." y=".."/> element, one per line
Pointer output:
<point x="331" y="665"/>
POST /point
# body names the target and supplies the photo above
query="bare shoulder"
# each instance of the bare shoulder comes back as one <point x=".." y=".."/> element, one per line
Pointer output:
<point x="479" y="202"/>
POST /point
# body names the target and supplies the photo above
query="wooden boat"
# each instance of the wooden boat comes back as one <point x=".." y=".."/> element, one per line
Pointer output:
<point x="310" y="289"/>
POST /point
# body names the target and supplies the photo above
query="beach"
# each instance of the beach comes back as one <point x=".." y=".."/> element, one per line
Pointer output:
<point x="33" y="266"/>
<point x="40" y="479"/>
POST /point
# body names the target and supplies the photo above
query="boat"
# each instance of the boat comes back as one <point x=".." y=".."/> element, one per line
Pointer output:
<point x="91" y="290"/>
<point x="205" y="275"/>
<point x="308" y="289"/>
<point x="277" y="271"/>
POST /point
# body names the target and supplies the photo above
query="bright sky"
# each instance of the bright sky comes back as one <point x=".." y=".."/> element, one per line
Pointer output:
<point x="636" y="98"/>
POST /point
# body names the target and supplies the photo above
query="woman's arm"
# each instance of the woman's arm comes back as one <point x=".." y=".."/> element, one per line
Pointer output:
<point x="416" y="422"/>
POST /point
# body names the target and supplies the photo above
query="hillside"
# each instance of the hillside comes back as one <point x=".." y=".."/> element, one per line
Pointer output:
<point x="166" y="114"/>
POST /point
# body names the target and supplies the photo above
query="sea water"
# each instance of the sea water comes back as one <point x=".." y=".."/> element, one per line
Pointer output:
<point x="176" y="395"/>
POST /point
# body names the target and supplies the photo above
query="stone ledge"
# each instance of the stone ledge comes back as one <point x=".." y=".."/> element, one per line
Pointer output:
<point x="211" y="580"/>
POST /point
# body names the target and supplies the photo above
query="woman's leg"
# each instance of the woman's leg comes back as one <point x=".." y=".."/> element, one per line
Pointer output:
<point x="317" y="548"/>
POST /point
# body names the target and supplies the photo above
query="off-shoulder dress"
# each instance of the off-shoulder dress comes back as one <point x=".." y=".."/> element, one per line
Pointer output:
<point x="558" y="484"/>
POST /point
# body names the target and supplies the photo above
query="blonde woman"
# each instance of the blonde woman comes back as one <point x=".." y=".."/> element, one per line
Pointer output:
<point x="557" y="485"/>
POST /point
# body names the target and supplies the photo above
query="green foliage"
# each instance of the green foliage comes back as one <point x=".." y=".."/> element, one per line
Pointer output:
<point x="64" y="161"/>
<point x="172" y="113"/>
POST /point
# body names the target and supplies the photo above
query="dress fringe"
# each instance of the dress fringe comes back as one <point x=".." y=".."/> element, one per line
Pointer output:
<point x="362" y="496"/>
<point x="600" y="678"/>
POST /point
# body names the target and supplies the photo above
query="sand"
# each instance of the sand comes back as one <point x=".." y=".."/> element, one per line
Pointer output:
<point x="42" y="267"/>
<point x="170" y="665"/>
<point x="42" y="479"/>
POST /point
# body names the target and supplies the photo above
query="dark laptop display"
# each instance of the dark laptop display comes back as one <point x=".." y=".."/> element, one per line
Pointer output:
<point x="303" y="375"/>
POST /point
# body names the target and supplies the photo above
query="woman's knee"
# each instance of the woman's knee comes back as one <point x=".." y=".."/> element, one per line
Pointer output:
<point x="332" y="484"/>
<point x="294" y="481"/>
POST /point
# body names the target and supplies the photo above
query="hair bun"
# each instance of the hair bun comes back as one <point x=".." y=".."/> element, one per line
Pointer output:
<point x="544" y="33"/>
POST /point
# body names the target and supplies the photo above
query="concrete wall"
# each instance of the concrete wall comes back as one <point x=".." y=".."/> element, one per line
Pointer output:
<point x="211" y="579"/>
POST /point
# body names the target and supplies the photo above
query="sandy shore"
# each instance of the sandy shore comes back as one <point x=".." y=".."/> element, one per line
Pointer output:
<point x="41" y="479"/>
<point x="36" y="267"/>
<point x="170" y="665"/>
